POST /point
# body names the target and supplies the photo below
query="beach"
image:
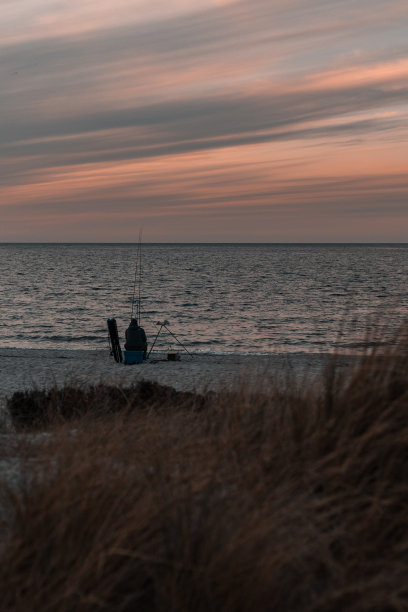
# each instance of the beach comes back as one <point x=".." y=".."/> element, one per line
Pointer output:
<point x="227" y="480"/>
<point x="25" y="369"/>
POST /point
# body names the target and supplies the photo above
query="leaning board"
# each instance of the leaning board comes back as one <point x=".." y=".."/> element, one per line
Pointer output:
<point x="116" y="351"/>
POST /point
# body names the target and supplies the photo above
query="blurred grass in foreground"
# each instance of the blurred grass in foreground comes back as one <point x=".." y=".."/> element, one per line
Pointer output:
<point x="294" y="498"/>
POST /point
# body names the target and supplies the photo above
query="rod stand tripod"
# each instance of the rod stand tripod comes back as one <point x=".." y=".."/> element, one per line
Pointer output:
<point x="164" y="324"/>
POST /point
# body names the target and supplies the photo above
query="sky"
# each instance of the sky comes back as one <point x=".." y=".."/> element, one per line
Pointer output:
<point x="204" y="120"/>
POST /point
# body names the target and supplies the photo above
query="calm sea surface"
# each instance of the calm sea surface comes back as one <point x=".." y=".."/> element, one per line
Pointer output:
<point x="221" y="298"/>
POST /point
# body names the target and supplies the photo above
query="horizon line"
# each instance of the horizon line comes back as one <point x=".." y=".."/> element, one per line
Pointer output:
<point x="17" y="242"/>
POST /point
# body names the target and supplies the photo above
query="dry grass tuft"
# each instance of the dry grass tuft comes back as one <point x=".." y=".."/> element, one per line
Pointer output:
<point x="294" y="500"/>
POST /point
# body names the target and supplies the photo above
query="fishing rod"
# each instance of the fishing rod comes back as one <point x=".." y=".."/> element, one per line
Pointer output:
<point x="137" y="281"/>
<point x="139" y="301"/>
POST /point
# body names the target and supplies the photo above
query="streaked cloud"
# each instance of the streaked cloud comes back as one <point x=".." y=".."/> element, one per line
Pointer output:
<point x="179" y="115"/>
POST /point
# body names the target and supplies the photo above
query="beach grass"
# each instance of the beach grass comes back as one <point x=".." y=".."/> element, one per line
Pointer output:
<point x="289" y="496"/>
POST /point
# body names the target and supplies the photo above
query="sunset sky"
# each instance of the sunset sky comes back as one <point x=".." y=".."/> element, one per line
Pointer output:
<point x="204" y="120"/>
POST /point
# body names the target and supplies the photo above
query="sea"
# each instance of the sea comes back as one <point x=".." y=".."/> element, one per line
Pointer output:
<point x="217" y="298"/>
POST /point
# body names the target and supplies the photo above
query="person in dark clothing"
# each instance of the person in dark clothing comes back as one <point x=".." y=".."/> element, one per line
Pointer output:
<point x="136" y="338"/>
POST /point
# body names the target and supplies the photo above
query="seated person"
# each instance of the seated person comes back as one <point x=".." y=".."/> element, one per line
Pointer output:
<point x="136" y="338"/>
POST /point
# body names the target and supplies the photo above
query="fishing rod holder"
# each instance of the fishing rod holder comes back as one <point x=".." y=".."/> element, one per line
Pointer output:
<point x="164" y="324"/>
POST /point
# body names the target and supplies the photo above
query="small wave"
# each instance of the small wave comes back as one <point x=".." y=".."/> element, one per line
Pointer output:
<point x="71" y="338"/>
<point x="361" y="345"/>
<point x="207" y="342"/>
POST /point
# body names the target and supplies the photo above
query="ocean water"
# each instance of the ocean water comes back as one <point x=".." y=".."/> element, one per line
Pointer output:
<point x="218" y="298"/>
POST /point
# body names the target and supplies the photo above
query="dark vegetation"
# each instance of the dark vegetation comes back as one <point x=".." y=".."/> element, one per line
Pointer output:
<point x="38" y="410"/>
<point x="295" y="499"/>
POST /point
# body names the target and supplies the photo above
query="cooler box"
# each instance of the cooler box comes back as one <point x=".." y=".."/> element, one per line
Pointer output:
<point x="133" y="357"/>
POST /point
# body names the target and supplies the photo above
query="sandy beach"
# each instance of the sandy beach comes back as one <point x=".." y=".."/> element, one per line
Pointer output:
<point x="41" y="368"/>
<point x="25" y="369"/>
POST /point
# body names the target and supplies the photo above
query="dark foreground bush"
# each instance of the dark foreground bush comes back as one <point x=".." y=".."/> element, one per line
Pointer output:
<point x="40" y="409"/>
<point x="295" y="501"/>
